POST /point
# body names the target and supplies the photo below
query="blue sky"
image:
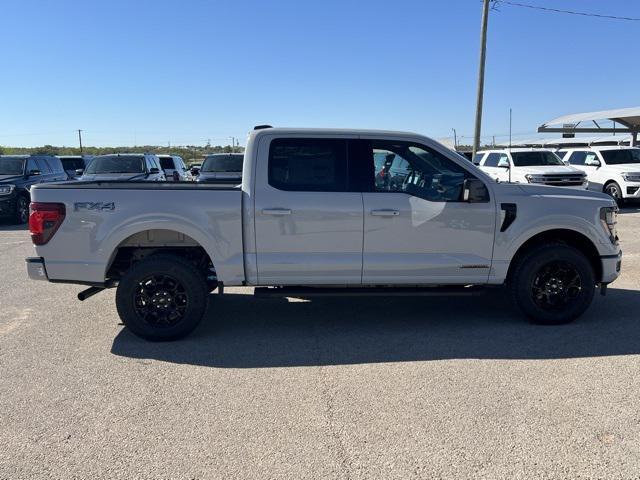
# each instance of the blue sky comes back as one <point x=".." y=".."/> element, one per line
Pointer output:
<point x="151" y="72"/>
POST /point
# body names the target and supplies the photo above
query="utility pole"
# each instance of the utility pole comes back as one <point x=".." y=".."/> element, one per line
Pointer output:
<point x="455" y="139"/>
<point x="233" y="144"/>
<point x="483" y="51"/>
<point x="80" y="139"/>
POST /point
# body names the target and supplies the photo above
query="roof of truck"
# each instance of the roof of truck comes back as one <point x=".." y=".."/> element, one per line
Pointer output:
<point x="330" y="131"/>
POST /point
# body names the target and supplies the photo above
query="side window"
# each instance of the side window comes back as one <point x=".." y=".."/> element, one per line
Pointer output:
<point x="577" y="158"/>
<point x="32" y="165"/>
<point x="55" y="165"/>
<point x="43" y="166"/>
<point x="590" y="157"/>
<point x="419" y="171"/>
<point x="308" y="164"/>
<point x="478" y="158"/>
<point x="492" y="160"/>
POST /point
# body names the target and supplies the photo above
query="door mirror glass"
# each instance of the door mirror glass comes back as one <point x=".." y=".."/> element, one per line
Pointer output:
<point x="474" y="191"/>
<point x="33" y="172"/>
<point x="154" y="170"/>
<point x="79" y="171"/>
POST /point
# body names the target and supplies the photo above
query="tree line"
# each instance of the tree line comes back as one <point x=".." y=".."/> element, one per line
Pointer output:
<point x="189" y="153"/>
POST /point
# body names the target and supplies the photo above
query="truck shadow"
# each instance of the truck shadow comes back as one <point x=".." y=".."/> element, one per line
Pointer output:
<point x="6" y="226"/>
<point x="241" y="331"/>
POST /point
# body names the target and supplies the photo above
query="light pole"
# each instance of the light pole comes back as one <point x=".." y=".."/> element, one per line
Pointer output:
<point x="80" y="139"/>
<point x="483" y="51"/>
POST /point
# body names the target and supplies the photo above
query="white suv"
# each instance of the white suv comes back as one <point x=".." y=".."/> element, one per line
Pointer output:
<point x="614" y="170"/>
<point x="527" y="165"/>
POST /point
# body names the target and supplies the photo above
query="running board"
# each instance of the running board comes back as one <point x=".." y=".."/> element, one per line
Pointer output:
<point x="468" y="291"/>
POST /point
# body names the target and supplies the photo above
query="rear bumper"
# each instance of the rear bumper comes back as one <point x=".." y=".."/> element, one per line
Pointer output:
<point x="611" y="265"/>
<point x="36" y="269"/>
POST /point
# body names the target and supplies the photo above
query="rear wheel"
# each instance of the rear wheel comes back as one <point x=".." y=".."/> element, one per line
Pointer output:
<point x="21" y="215"/>
<point x="553" y="284"/>
<point x="162" y="297"/>
<point x="614" y="191"/>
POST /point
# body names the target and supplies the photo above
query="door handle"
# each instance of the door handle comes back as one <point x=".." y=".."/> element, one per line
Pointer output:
<point x="385" y="212"/>
<point x="276" y="211"/>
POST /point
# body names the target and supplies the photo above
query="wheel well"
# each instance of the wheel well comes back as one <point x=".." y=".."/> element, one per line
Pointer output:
<point x="566" y="237"/>
<point x="150" y="242"/>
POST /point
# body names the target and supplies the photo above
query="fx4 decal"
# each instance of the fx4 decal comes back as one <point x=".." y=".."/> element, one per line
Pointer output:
<point x="94" y="206"/>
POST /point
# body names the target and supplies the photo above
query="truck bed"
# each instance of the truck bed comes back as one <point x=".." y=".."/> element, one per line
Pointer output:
<point x="101" y="216"/>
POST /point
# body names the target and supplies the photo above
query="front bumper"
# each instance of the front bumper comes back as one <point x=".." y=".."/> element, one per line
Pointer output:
<point x="631" y="190"/>
<point x="611" y="266"/>
<point x="8" y="205"/>
<point x="36" y="269"/>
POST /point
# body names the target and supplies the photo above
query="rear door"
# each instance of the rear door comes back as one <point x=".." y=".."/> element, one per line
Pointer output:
<point x="494" y="164"/>
<point x="418" y="230"/>
<point x="583" y="160"/>
<point x="308" y="217"/>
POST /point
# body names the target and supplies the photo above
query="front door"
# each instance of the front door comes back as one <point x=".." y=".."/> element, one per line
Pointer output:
<point x="308" y="218"/>
<point x="417" y="228"/>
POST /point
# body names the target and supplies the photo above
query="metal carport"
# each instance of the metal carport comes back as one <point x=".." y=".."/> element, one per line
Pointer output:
<point x="627" y="118"/>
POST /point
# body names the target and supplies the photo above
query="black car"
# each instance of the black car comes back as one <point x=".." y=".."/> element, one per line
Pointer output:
<point x="18" y="173"/>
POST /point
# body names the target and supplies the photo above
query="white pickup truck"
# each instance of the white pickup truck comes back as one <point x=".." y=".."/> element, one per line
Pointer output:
<point x="313" y="216"/>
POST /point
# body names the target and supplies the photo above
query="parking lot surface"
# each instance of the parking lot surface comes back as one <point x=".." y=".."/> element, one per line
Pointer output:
<point x="330" y="388"/>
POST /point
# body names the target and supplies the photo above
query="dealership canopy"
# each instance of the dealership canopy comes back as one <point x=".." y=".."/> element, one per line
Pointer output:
<point x="628" y="120"/>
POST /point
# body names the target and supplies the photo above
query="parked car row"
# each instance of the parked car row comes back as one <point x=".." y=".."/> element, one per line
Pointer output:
<point x="18" y="173"/>
<point x="614" y="170"/>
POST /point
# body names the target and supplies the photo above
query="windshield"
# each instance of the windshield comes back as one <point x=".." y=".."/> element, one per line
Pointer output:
<point x="530" y="159"/>
<point x="11" y="166"/>
<point x="223" y="163"/>
<point x="116" y="164"/>
<point x="621" y="157"/>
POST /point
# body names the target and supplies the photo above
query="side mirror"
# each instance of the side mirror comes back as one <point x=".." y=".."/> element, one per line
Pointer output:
<point x="79" y="171"/>
<point x="154" y="170"/>
<point x="503" y="164"/>
<point x="33" y="172"/>
<point x="474" y="191"/>
<point x="592" y="162"/>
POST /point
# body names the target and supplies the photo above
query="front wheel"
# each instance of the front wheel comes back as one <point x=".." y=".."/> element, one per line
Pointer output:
<point x="553" y="284"/>
<point x="22" y="210"/>
<point x="162" y="297"/>
<point x="614" y="191"/>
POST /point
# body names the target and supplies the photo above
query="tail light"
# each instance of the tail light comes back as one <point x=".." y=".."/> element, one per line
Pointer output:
<point x="44" y="221"/>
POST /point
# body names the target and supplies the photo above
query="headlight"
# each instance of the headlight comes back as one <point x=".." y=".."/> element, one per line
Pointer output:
<point x="6" y="189"/>
<point x="631" y="176"/>
<point x="535" y="178"/>
<point x="609" y="219"/>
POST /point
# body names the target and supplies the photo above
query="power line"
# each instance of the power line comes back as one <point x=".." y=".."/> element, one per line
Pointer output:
<point x="570" y="12"/>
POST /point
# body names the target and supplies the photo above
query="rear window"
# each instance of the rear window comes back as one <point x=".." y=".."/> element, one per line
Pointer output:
<point x="308" y="164"/>
<point x="621" y="157"/>
<point x="530" y="159"/>
<point x="222" y="163"/>
<point x="72" y="163"/>
<point x="116" y="164"/>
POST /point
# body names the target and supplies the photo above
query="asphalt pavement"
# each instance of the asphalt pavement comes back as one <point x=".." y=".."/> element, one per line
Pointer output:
<point x="352" y="388"/>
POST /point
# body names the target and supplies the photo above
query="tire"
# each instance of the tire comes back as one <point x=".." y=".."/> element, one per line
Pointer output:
<point x="21" y="215"/>
<point x="614" y="191"/>
<point x="162" y="298"/>
<point x="553" y="284"/>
